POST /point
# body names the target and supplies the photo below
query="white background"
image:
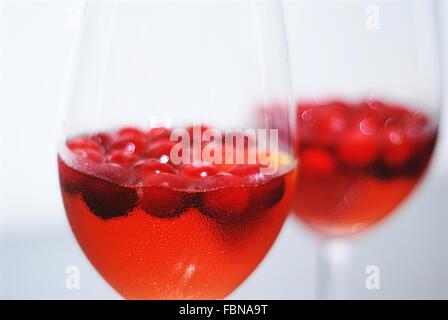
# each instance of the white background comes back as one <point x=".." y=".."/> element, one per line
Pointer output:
<point x="37" y="39"/>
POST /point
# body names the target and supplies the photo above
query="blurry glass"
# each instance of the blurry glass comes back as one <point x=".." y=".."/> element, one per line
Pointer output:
<point x="368" y="91"/>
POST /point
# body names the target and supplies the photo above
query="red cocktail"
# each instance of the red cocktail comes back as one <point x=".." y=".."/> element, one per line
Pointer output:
<point x="357" y="162"/>
<point x="156" y="230"/>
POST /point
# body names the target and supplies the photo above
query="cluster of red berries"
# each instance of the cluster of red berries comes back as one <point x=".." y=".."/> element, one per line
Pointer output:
<point x="115" y="172"/>
<point x="382" y="138"/>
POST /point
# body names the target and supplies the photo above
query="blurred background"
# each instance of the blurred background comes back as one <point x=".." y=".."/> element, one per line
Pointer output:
<point x="36" y="245"/>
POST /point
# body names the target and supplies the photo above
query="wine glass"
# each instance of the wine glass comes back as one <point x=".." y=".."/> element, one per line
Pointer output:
<point x="367" y="117"/>
<point x="173" y="183"/>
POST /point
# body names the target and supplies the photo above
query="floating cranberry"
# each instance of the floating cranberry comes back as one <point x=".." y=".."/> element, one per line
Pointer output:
<point x="357" y="149"/>
<point x="333" y="122"/>
<point x="399" y="111"/>
<point x="89" y="155"/>
<point x="165" y="203"/>
<point x="129" y="144"/>
<point x="130" y="139"/>
<point x="372" y="109"/>
<point x="158" y="133"/>
<point x="161" y="149"/>
<point x="162" y="198"/>
<point x="165" y="180"/>
<point x="102" y="139"/>
<point x="222" y="180"/>
<point x="329" y="128"/>
<point x="339" y="106"/>
<point x="267" y="195"/>
<point x="84" y="144"/>
<point x="317" y="162"/>
<point x="305" y="115"/>
<point x="373" y="104"/>
<point x="244" y="170"/>
<point x="419" y="120"/>
<point x="123" y="158"/>
<point x="369" y="125"/>
<point x="108" y="200"/>
<point x="115" y="173"/>
<point x="70" y="179"/>
<point x="153" y="166"/>
<point x="322" y="124"/>
<point x="397" y="149"/>
<point x="423" y="144"/>
<point x="227" y="200"/>
<point x="198" y="170"/>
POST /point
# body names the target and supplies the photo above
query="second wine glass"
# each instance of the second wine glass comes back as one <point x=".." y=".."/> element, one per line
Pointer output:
<point x="367" y="116"/>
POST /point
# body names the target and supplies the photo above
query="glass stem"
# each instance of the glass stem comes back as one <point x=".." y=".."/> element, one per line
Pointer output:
<point x="334" y="263"/>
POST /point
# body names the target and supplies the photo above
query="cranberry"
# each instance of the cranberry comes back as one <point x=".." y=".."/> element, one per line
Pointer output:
<point x="322" y="124"/>
<point x="123" y="158"/>
<point x="90" y="155"/>
<point x="305" y="115"/>
<point x="222" y="180"/>
<point x="165" y="203"/>
<point x="129" y="144"/>
<point x="199" y="170"/>
<point x="158" y="133"/>
<point x="398" y="149"/>
<point x="399" y="111"/>
<point x="373" y="108"/>
<point x="161" y="197"/>
<point x="115" y="173"/>
<point x="267" y="195"/>
<point x="151" y="166"/>
<point x="357" y="149"/>
<point x="84" y="144"/>
<point x="369" y="125"/>
<point x="228" y="201"/>
<point x="393" y="123"/>
<point x="130" y="140"/>
<point x="108" y="200"/>
<point x="70" y="179"/>
<point x="373" y="104"/>
<point x="317" y="162"/>
<point x="419" y="120"/>
<point x="165" y="180"/>
<point x="421" y="135"/>
<point x="339" y="106"/>
<point x="245" y="169"/>
<point x="329" y="128"/>
<point x="161" y="149"/>
<point x="102" y="139"/>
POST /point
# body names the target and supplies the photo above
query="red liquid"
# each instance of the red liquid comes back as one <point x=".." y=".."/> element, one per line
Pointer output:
<point x="159" y="231"/>
<point x="357" y="163"/>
